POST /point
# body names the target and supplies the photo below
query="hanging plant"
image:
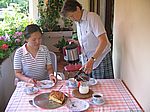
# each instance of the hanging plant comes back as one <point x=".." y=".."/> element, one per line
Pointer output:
<point x="49" y="11"/>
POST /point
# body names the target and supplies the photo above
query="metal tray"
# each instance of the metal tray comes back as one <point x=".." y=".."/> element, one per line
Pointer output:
<point x="42" y="101"/>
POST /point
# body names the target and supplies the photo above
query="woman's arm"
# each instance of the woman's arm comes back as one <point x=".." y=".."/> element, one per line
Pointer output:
<point x="22" y="77"/>
<point x="51" y="72"/>
<point x="100" y="48"/>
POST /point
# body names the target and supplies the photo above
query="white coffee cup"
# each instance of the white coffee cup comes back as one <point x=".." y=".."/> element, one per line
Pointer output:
<point x="72" y="82"/>
<point x="29" y="88"/>
<point x="97" y="98"/>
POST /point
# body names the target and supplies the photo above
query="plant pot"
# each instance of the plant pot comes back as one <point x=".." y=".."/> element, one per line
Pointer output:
<point x="51" y="38"/>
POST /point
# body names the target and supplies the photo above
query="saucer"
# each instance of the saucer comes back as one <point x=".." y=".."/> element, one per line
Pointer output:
<point x="93" y="103"/>
<point x="30" y="92"/>
<point x="92" y="82"/>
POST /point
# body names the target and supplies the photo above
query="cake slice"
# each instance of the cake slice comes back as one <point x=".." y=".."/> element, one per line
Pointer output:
<point x="57" y="96"/>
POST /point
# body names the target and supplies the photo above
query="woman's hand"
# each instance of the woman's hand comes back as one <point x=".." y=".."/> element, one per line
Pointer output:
<point x="35" y="82"/>
<point x="52" y="77"/>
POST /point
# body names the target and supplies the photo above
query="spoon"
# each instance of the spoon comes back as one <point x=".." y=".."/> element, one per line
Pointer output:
<point x="72" y="104"/>
<point x="31" y="102"/>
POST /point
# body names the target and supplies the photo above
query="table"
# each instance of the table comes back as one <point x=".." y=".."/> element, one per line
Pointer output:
<point x="116" y="95"/>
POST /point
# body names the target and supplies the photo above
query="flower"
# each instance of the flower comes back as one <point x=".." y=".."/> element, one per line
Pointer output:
<point x="9" y="43"/>
<point x="4" y="47"/>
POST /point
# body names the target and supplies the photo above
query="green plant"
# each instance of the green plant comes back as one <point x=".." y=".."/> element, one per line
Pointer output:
<point x="74" y="35"/>
<point x="67" y="24"/>
<point x="50" y="15"/>
<point x="13" y="21"/>
<point x="61" y="43"/>
<point x="9" y="43"/>
<point x="11" y="28"/>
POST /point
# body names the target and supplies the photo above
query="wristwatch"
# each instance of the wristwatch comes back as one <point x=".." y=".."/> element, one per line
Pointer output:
<point x="93" y="59"/>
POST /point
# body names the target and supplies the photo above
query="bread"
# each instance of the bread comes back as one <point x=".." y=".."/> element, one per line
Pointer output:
<point x="57" y="96"/>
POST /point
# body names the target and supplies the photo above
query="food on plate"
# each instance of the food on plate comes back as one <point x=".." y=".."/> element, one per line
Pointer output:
<point x="57" y="96"/>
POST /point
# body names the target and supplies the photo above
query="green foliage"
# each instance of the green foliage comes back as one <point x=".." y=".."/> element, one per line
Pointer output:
<point x="13" y="21"/>
<point x="9" y="43"/>
<point x="4" y="3"/>
<point x="61" y="43"/>
<point x="49" y="15"/>
<point x="68" y="24"/>
<point x="24" y="4"/>
<point x="11" y="28"/>
<point x="74" y="36"/>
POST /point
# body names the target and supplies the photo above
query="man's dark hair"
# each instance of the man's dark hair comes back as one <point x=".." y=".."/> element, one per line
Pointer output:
<point x="70" y="6"/>
<point x="31" y="29"/>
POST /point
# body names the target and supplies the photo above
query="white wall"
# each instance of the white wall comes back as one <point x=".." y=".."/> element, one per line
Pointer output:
<point x="33" y="9"/>
<point x="132" y="47"/>
<point x="84" y="3"/>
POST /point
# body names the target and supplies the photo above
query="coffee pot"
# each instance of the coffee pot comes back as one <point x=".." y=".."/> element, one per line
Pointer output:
<point x="72" y="52"/>
<point x="81" y="76"/>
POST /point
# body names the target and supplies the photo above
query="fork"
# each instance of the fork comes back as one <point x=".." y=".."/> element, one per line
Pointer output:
<point x="72" y="104"/>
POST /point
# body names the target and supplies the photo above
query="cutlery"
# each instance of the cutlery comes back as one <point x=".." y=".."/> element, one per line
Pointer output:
<point x="43" y="83"/>
<point x="31" y="102"/>
<point x="60" y="87"/>
<point x="35" y="82"/>
<point x="72" y="104"/>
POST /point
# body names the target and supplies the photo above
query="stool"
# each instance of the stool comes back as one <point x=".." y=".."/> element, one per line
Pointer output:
<point x="71" y="69"/>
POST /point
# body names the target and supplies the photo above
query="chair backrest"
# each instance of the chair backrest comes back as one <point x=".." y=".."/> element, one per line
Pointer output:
<point x="54" y="61"/>
<point x="58" y="75"/>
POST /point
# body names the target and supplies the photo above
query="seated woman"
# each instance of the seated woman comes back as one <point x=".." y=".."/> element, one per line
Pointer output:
<point x="32" y="61"/>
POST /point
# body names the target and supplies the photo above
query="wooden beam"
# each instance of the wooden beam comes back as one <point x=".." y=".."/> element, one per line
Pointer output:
<point x="91" y="5"/>
<point x="98" y="7"/>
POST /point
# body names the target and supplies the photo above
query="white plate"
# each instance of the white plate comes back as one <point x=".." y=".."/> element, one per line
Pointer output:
<point x="30" y="92"/>
<point x="77" y="105"/>
<point x="46" y="84"/>
<point x="92" y="82"/>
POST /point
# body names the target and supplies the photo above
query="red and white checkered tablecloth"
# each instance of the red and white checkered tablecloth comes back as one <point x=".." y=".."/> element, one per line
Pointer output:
<point x="117" y="98"/>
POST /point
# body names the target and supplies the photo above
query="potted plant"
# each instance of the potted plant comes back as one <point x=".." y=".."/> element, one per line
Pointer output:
<point x="61" y="44"/>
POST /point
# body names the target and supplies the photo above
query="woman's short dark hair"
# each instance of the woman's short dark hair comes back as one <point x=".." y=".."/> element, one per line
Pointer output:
<point x="70" y="6"/>
<point x="31" y="29"/>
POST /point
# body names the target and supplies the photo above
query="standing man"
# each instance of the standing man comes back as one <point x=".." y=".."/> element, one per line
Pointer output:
<point x="96" y="52"/>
